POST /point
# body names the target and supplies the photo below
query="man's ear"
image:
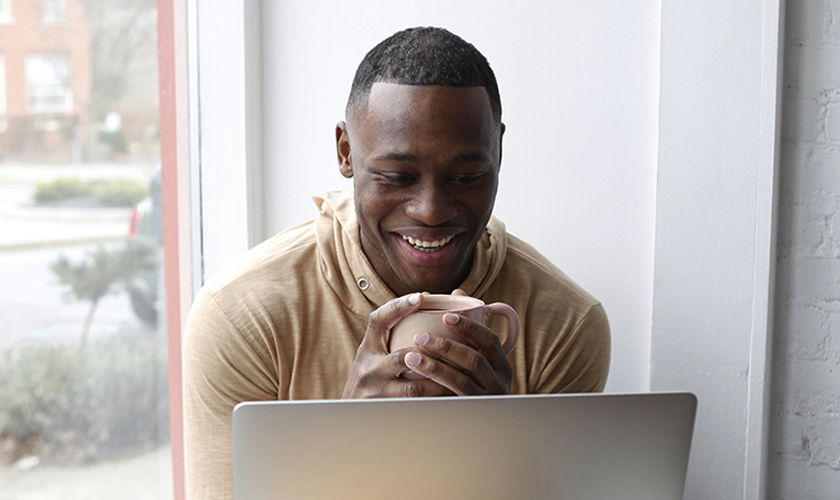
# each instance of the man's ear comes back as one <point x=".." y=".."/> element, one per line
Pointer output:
<point x="342" y="149"/>
<point x="501" y="136"/>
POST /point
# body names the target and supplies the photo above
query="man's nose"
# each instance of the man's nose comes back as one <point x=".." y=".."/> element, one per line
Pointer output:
<point x="431" y="205"/>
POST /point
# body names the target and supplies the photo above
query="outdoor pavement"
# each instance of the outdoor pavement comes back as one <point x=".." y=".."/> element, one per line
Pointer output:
<point x="145" y="476"/>
<point x="45" y="227"/>
<point x="26" y="225"/>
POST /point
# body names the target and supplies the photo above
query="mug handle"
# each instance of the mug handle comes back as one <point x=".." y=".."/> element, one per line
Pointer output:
<point x="513" y="323"/>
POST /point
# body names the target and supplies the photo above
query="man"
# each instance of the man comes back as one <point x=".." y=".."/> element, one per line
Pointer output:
<point x="307" y="314"/>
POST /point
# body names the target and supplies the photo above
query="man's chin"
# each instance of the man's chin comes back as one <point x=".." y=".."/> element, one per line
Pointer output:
<point x="430" y="285"/>
<point x="435" y="279"/>
<point x="435" y="272"/>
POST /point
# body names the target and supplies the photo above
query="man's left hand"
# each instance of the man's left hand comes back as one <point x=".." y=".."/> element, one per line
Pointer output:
<point x="476" y="366"/>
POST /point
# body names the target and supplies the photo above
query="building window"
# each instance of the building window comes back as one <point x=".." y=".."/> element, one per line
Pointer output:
<point x="53" y="12"/>
<point x="48" y="83"/>
<point x="3" y="123"/>
<point x="2" y="86"/>
<point x="6" y="12"/>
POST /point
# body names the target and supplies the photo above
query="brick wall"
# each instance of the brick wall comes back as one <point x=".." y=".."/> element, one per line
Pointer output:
<point x="804" y="459"/>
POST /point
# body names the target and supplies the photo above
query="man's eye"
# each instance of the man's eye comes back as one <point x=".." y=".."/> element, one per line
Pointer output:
<point x="396" y="178"/>
<point x="467" y="178"/>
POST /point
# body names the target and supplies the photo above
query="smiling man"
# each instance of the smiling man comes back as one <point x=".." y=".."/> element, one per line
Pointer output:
<point x="308" y="313"/>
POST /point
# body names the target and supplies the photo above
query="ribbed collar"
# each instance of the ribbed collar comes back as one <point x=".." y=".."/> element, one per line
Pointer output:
<point x="350" y="273"/>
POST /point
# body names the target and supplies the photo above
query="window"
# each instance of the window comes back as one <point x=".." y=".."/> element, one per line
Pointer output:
<point x="48" y="83"/>
<point x="3" y="123"/>
<point x="2" y="86"/>
<point x="53" y="12"/>
<point x="84" y="374"/>
<point x="6" y="12"/>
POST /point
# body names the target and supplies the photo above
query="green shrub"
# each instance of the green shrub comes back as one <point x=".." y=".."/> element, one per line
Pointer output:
<point x="116" y="140"/>
<point x="63" y="188"/>
<point x="120" y="192"/>
<point x="82" y="406"/>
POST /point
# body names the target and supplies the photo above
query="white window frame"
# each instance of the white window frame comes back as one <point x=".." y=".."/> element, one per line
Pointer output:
<point x="227" y="154"/>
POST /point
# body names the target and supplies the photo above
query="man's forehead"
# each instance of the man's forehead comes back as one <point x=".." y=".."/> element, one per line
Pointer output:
<point x="392" y="98"/>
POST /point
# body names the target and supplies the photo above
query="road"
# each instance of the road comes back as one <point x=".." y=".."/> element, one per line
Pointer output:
<point x="33" y="306"/>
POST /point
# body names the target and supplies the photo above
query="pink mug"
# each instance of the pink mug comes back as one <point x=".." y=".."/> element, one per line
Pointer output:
<point x="429" y="319"/>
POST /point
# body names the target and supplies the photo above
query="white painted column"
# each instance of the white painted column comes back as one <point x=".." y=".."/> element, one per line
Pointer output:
<point x="714" y="232"/>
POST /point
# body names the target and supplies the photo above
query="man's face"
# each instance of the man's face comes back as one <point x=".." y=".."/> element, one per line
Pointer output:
<point x="425" y="163"/>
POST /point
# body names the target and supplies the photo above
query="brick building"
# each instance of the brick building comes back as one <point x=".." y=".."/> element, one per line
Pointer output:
<point x="45" y="79"/>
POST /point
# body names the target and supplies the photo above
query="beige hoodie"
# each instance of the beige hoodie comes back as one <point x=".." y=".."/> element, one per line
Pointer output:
<point x="285" y="321"/>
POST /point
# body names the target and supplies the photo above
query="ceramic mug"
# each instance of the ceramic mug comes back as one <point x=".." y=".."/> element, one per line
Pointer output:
<point x="429" y="319"/>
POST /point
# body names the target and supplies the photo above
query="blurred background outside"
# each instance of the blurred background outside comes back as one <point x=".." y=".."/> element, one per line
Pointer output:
<point x="83" y="373"/>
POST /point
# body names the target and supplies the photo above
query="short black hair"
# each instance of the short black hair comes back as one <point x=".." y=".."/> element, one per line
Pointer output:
<point x="425" y="56"/>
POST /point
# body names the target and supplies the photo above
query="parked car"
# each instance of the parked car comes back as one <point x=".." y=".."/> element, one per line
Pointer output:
<point x="146" y="228"/>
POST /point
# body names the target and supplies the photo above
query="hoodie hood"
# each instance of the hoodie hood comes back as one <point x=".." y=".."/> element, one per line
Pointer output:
<point x="351" y="275"/>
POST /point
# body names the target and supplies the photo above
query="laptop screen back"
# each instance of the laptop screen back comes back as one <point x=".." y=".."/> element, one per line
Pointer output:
<point x="628" y="446"/>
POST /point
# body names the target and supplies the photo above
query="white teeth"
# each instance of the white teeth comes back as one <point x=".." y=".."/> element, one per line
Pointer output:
<point x="428" y="246"/>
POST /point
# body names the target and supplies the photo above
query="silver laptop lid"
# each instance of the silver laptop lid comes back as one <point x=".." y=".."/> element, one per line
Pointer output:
<point x="576" y="447"/>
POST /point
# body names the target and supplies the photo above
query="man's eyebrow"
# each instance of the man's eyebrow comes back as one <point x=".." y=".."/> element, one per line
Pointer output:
<point x="399" y="157"/>
<point x="470" y="157"/>
<point x="457" y="158"/>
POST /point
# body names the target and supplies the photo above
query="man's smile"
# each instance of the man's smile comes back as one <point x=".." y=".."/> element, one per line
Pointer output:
<point x="427" y="245"/>
<point x="426" y="251"/>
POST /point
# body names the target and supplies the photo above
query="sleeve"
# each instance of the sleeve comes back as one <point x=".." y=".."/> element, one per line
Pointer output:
<point x="581" y="358"/>
<point x="222" y="366"/>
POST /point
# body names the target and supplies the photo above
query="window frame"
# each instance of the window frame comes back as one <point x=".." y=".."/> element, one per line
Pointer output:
<point x="178" y="202"/>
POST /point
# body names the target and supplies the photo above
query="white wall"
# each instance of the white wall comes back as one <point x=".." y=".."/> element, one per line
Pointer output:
<point x="579" y="86"/>
<point x="805" y="432"/>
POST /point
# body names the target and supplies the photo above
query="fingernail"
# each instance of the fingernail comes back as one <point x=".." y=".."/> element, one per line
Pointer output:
<point x="451" y="319"/>
<point x="413" y="359"/>
<point x="421" y="339"/>
<point x="414" y="298"/>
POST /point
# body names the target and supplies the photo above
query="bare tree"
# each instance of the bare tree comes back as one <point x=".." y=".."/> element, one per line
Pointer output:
<point x="99" y="274"/>
<point x="124" y="65"/>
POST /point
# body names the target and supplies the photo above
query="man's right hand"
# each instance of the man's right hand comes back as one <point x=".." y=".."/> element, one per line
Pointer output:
<point x="376" y="372"/>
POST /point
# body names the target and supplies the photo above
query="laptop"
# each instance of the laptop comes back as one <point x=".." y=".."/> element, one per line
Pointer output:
<point x="573" y="447"/>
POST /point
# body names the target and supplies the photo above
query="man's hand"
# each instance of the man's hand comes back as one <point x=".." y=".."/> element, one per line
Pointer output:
<point x="478" y="366"/>
<point x="376" y="372"/>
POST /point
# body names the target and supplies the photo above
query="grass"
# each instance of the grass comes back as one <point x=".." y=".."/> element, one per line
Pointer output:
<point x="68" y="405"/>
